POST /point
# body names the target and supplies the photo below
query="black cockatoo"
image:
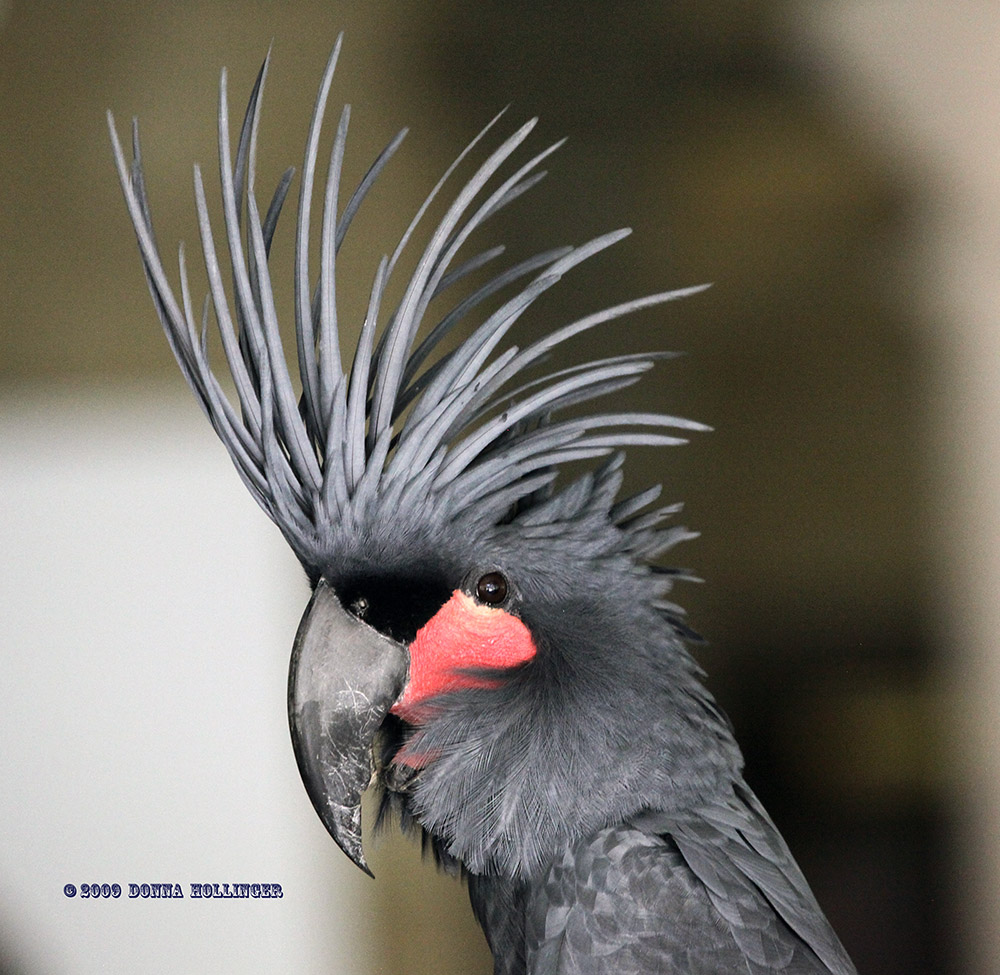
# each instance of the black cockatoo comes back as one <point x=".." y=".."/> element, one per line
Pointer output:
<point x="490" y="648"/>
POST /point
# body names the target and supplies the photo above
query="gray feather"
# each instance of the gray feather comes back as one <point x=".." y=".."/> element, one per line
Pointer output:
<point x="322" y="449"/>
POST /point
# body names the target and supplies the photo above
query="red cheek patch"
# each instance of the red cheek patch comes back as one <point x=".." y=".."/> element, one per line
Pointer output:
<point x="462" y="634"/>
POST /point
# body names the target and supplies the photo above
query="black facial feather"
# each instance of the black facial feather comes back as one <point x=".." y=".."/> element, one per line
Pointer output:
<point x="394" y="605"/>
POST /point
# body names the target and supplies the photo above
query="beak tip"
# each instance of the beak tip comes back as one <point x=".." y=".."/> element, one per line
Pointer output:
<point x="344" y="824"/>
<point x="350" y="842"/>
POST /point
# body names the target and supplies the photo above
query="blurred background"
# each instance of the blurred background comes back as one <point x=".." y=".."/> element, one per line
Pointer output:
<point x="831" y="167"/>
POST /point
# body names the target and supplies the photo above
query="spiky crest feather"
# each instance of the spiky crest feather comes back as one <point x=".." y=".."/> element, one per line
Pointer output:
<point x="352" y="445"/>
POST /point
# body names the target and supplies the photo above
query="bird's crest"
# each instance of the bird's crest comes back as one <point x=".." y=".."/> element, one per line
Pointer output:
<point x="463" y="435"/>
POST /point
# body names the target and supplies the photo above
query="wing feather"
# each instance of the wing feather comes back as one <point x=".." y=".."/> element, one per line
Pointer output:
<point x="692" y="896"/>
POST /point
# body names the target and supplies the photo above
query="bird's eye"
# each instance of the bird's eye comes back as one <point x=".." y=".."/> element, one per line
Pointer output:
<point x="491" y="589"/>
<point x="359" y="607"/>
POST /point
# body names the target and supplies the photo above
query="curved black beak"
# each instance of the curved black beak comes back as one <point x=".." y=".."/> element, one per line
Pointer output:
<point x="344" y="677"/>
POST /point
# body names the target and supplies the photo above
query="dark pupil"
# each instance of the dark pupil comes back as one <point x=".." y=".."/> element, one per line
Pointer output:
<point x="492" y="588"/>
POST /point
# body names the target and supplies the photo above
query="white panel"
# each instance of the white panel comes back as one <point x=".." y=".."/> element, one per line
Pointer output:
<point x="147" y="609"/>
